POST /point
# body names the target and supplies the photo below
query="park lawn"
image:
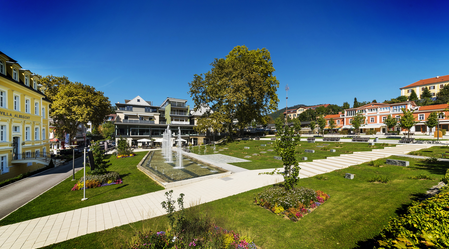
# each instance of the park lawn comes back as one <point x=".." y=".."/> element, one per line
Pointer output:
<point x="435" y="151"/>
<point x="267" y="161"/>
<point x="355" y="213"/>
<point x="61" y="199"/>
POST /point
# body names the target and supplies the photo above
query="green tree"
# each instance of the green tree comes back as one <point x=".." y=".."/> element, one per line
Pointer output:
<point x="74" y="104"/>
<point x="321" y="124"/>
<point x="210" y="121"/>
<point x="296" y="126"/>
<point x="312" y="125"/>
<point x="443" y="95"/>
<point x="356" y="103"/>
<point x="241" y="86"/>
<point x="99" y="159"/>
<point x="407" y="120"/>
<point x="346" y="105"/>
<point x="123" y="147"/>
<point x="432" y="120"/>
<point x="332" y="124"/>
<point x="413" y="96"/>
<point x="285" y="147"/>
<point x="426" y="93"/>
<point x="357" y="121"/>
<point x="390" y="122"/>
<point x="107" y="130"/>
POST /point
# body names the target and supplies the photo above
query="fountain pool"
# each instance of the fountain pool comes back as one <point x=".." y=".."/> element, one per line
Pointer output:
<point x="167" y="175"/>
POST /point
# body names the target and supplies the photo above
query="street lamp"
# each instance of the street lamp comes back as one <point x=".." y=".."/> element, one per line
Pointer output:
<point x="286" y="103"/>
<point x="73" y="160"/>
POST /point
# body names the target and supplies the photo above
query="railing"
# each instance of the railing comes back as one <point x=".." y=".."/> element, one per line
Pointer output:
<point x="180" y="122"/>
<point x="32" y="155"/>
<point x="137" y="121"/>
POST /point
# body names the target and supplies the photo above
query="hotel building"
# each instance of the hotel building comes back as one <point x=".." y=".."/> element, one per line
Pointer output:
<point x="433" y="84"/>
<point x="24" y="125"/>
<point x="137" y="119"/>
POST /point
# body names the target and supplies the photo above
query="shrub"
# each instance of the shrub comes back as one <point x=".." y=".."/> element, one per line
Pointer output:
<point x="443" y="131"/>
<point x="446" y="177"/>
<point x="431" y="160"/>
<point x="375" y="163"/>
<point x="379" y="179"/>
<point x="424" y="225"/>
<point x="287" y="198"/>
<point x="421" y="177"/>
<point x="371" y="132"/>
<point x="343" y="132"/>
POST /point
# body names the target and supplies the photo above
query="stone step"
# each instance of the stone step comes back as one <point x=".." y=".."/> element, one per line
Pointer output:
<point x="327" y="167"/>
<point x="316" y="167"/>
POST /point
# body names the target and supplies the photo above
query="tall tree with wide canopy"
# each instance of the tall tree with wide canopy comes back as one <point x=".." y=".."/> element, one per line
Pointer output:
<point x="241" y="86"/>
<point x="321" y="124"/>
<point x="432" y="120"/>
<point x="312" y="125"/>
<point x="332" y="124"/>
<point x="75" y="104"/>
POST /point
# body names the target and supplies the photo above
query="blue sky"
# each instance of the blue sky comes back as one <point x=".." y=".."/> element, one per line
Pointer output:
<point x="326" y="51"/>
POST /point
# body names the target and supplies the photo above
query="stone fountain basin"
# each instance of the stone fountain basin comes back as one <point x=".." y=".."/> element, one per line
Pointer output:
<point x="166" y="174"/>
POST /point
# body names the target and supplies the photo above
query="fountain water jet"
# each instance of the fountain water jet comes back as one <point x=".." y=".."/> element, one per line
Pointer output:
<point x="179" y="164"/>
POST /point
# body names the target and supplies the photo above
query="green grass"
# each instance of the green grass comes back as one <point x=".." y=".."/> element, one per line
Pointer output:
<point x="61" y="198"/>
<point x="435" y="151"/>
<point x="355" y="213"/>
<point x="267" y="161"/>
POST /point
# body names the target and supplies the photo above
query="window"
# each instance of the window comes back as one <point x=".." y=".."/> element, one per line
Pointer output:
<point x="37" y="153"/>
<point x="4" y="164"/>
<point x="2" y="133"/>
<point x="34" y="85"/>
<point x="440" y="115"/>
<point x="2" y="67"/>
<point x="350" y="121"/>
<point x="36" y="133"/>
<point x="43" y="133"/>
<point x="43" y="112"/>
<point x="441" y="86"/>
<point x="27" y="133"/>
<point x="44" y="152"/>
<point x="36" y="108"/>
<point x="138" y="100"/>
<point x="421" y="117"/>
<point x="328" y="122"/>
<point x="383" y="119"/>
<point x="27" y="105"/>
<point x="371" y="120"/>
<point x="16" y="103"/>
<point x="338" y="122"/>
<point x="422" y="88"/>
<point x="433" y="94"/>
<point x="432" y="87"/>
<point x="27" y="80"/>
<point x="28" y="154"/>
<point x="16" y="129"/>
<point x="398" y="118"/>
<point x="15" y="76"/>
<point x="2" y="99"/>
<point x="129" y="108"/>
<point x="408" y="91"/>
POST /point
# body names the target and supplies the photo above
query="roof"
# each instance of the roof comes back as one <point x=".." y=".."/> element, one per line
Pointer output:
<point x="433" y="107"/>
<point x="290" y="110"/>
<point x="332" y="116"/>
<point x="382" y="104"/>
<point x="424" y="82"/>
<point x="315" y="106"/>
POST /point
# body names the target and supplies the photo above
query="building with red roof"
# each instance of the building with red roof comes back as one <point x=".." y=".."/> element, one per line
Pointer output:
<point x="434" y="85"/>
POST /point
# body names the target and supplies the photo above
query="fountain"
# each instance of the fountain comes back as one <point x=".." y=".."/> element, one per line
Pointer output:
<point x="179" y="164"/>
<point x="168" y="145"/>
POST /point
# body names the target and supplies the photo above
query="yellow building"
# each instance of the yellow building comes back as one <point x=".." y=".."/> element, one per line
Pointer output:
<point x="24" y="144"/>
<point x="434" y="85"/>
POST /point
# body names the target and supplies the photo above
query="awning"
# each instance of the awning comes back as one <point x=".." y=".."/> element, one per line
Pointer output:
<point x="144" y="140"/>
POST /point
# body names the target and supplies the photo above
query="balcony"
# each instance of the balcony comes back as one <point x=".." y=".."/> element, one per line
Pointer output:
<point x="180" y="122"/>
<point x="136" y="121"/>
<point x="31" y="157"/>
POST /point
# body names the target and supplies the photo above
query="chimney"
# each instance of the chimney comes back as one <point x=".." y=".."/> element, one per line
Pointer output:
<point x="438" y="77"/>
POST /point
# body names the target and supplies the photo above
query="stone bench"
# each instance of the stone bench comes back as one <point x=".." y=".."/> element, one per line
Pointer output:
<point x="360" y="139"/>
<point x="331" y="139"/>
<point x="397" y="162"/>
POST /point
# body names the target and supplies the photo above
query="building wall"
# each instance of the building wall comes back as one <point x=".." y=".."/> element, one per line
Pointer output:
<point x="21" y="125"/>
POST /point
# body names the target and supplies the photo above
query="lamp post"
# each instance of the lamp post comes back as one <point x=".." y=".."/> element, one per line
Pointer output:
<point x="73" y="160"/>
<point x="84" y="185"/>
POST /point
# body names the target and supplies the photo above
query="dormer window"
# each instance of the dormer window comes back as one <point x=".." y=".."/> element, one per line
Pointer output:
<point x="34" y="85"/>
<point x="15" y="75"/>
<point x="2" y="67"/>
<point x="27" y="80"/>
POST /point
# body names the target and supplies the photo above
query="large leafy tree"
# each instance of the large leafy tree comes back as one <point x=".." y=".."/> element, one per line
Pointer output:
<point x="357" y="121"/>
<point x="107" y="129"/>
<point x="210" y="122"/>
<point x="390" y="122"/>
<point x="407" y="120"/>
<point x="321" y="124"/>
<point x="413" y="96"/>
<point x="241" y="86"/>
<point x="432" y="120"/>
<point x="308" y="115"/>
<point x="312" y="125"/>
<point x="75" y="104"/>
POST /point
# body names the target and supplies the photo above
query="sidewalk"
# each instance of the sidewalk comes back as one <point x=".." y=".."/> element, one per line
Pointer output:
<point x="56" y="228"/>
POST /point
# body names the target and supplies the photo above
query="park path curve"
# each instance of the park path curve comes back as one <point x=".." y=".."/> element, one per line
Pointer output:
<point x="60" y="227"/>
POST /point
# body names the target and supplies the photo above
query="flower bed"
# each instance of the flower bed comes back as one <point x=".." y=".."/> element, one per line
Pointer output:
<point x="123" y="156"/>
<point x="292" y="204"/>
<point x="96" y="181"/>
<point x="216" y="238"/>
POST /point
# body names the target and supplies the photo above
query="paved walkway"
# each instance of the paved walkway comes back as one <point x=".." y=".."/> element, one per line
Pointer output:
<point x="56" y="228"/>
